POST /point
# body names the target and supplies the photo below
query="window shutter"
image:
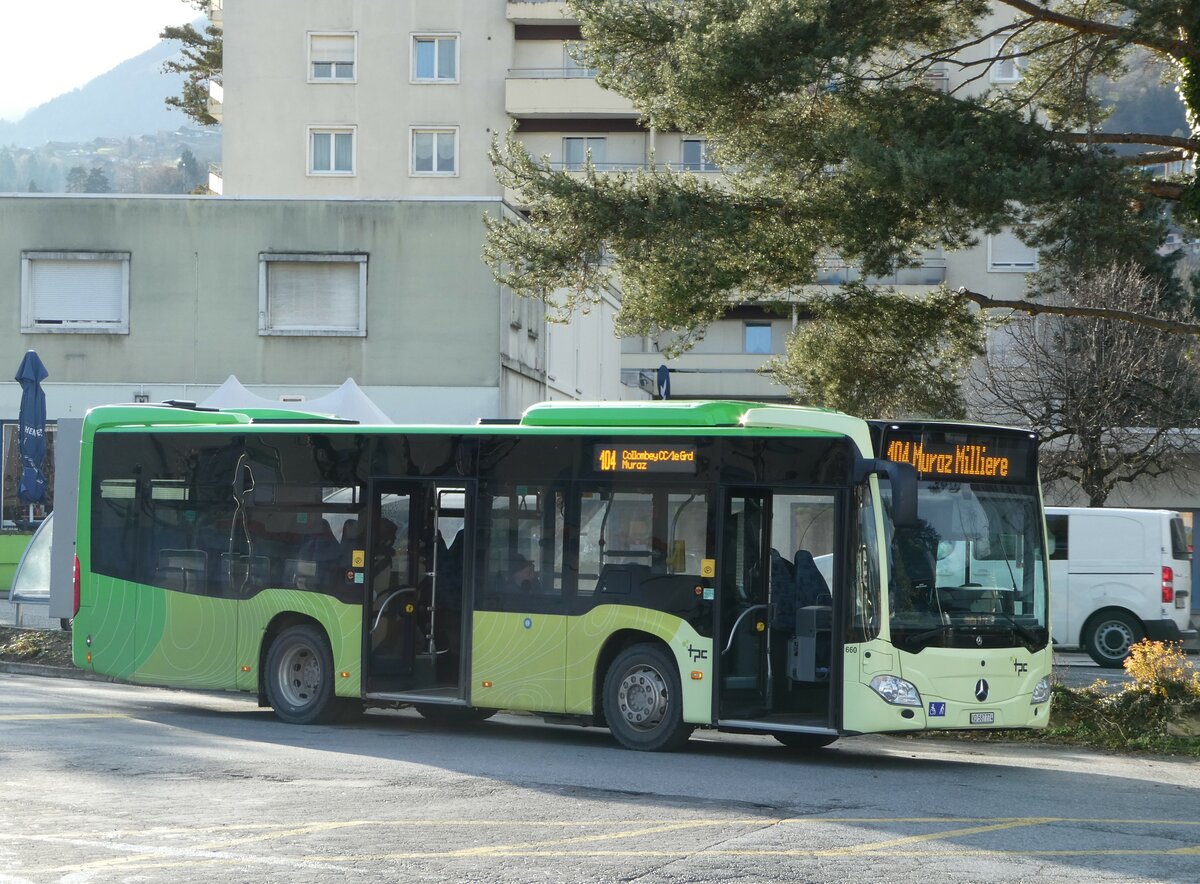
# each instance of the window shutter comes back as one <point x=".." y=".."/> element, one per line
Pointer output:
<point x="313" y="295"/>
<point x="76" y="291"/>
<point x="332" y="48"/>
<point x="1006" y="252"/>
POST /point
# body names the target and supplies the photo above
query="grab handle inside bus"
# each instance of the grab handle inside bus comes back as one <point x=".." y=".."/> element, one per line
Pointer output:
<point x="903" y="479"/>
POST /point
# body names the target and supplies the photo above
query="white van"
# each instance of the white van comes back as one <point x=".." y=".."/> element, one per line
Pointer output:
<point x="1117" y="576"/>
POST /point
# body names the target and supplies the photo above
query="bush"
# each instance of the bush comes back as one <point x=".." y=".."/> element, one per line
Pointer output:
<point x="1158" y="711"/>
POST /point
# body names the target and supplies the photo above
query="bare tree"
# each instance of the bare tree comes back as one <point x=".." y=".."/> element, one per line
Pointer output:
<point x="1112" y="401"/>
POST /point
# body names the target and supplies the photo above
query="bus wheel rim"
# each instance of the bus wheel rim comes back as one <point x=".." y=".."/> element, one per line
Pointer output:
<point x="642" y="698"/>
<point x="299" y="675"/>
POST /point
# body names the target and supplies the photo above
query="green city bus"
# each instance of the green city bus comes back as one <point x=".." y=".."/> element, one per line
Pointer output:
<point x="649" y="567"/>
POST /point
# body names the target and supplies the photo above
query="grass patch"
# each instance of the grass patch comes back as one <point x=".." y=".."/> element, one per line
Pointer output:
<point x="25" y="646"/>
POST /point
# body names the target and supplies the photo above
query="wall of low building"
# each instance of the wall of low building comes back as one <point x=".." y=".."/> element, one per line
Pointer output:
<point x="432" y="308"/>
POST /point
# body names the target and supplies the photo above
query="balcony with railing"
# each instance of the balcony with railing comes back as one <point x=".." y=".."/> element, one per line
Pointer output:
<point x="216" y="100"/>
<point x="538" y="12"/>
<point x="930" y="272"/>
<point x="562" y="92"/>
<point x="216" y="13"/>
<point x="216" y="180"/>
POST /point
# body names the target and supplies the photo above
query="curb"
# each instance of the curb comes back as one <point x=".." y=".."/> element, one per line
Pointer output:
<point x="52" y="671"/>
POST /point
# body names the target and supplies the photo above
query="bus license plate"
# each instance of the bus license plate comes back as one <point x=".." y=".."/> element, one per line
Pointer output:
<point x="983" y="718"/>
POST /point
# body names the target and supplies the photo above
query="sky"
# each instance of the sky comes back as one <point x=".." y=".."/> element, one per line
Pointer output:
<point x="53" y="46"/>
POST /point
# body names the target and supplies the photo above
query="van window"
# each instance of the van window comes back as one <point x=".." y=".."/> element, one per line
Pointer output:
<point x="1056" y="526"/>
<point x="1179" y="542"/>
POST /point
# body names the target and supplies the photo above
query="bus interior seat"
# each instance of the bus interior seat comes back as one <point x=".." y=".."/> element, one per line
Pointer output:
<point x="185" y="570"/>
<point x="811" y="587"/>
<point x="301" y="573"/>
<point x="242" y="574"/>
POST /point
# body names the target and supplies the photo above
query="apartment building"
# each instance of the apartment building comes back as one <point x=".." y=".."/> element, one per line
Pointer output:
<point x="379" y="99"/>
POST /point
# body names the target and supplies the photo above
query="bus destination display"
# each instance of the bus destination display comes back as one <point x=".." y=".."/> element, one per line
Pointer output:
<point x="645" y="458"/>
<point x="964" y="458"/>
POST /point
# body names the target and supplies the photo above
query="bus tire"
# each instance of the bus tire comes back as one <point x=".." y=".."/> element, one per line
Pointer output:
<point x="799" y="742"/>
<point x="643" y="700"/>
<point x="1108" y="636"/>
<point x="299" y="676"/>
<point x="438" y="713"/>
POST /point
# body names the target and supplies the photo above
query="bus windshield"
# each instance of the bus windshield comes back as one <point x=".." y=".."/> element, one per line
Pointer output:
<point x="971" y="572"/>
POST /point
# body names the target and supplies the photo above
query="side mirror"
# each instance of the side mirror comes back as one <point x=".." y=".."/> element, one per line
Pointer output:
<point x="903" y="479"/>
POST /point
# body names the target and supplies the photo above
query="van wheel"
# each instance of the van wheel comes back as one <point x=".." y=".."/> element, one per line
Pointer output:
<point x="299" y="676"/>
<point x="798" y="742"/>
<point x="643" y="700"/>
<point x="1109" y="635"/>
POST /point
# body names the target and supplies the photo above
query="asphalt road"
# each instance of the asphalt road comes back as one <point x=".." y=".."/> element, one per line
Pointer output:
<point x="102" y="782"/>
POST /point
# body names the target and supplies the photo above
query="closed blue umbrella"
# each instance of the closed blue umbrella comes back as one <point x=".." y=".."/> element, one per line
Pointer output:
<point x="32" y="428"/>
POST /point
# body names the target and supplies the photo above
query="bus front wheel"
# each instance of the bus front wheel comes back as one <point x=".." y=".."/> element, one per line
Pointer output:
<point x="299" y="676"/>
<point x="643" y="700"/>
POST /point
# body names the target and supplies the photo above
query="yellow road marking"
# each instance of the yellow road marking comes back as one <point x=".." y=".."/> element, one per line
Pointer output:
<point x="934" y="836"/>
<point x="558" y="848"/>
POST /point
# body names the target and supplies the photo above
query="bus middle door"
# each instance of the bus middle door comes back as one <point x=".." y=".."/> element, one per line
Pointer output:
<point x="743" y="607"/>
<point x="415" y="587"/>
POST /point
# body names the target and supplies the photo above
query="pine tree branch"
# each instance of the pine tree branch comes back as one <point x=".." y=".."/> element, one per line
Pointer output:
<point x="1150" y="159"/>
<point x="1170" y="326"/>
<point x="1180" y="49"/>
<point x="1160" y="140"/>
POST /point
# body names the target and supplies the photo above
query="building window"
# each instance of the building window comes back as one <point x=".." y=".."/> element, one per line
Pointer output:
<point x="694" y="156"/>
<point x="435" y="58"/>
<point x="578" y="150"/>
<point x="75" y="292"/>
<point x="303" y="294"/>
<point x="1006" y="70"/>
<point x="331" y="151"/>
<point x="331" y="58"/>
<point x="435" y="151"/>
<point x="756" y="337"/>
<point x="1007" y="254"/>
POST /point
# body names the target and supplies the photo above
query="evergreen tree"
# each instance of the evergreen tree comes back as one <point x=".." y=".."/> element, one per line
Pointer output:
<point x="189" y="169"/>
<point x="97" y="181"/>
<point x="200" y="64"/>
<point x="77" y="180"/>
<point x="836" y="141"/>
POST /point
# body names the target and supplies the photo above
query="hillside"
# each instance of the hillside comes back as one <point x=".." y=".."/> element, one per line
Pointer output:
<point x="125" y="102"/>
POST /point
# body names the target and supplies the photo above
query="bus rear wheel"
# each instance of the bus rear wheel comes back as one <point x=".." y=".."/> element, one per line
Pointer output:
<point x="643" y="700"/>
<point x="799" y="742"/>
<point x="1109" y="635"/>
<point x="299" y="676"/>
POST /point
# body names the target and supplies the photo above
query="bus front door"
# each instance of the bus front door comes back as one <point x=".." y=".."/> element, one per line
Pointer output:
<point x="416" y="557"/>
<point x="776" y="607"/>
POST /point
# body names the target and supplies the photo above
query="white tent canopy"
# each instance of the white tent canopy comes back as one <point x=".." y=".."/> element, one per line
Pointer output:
<point x="348" y="402"/>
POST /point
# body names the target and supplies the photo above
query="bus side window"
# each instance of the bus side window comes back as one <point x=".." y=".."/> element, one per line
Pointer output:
<point x="520" y="549"/>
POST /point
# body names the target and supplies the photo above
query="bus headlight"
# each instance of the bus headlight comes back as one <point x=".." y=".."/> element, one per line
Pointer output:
<point x="896" y="691"/>
<point x="1041" y="693"/>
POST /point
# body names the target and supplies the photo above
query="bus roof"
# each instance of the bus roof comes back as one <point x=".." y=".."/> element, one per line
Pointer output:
<point x="672" y="415"/>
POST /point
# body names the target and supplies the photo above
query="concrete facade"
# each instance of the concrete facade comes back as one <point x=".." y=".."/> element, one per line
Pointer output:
<point x="443" y="342"/>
